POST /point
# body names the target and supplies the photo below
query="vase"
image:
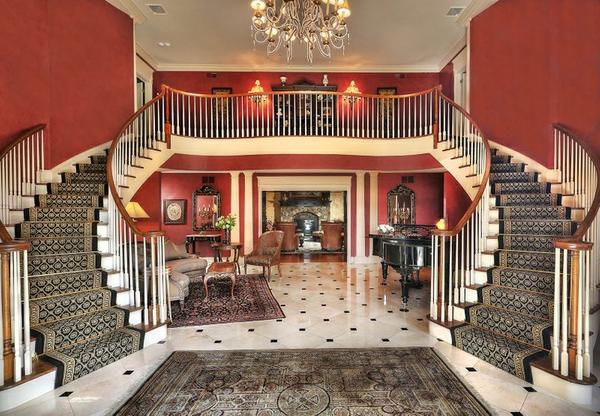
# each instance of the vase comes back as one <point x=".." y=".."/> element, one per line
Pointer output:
<point x="226" y="236"/>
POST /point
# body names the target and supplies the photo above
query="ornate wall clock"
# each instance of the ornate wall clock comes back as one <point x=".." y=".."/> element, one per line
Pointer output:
<point x="174" y="211"/>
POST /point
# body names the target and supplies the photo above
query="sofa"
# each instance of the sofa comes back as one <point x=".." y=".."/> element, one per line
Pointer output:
<point x="183" y="267"/>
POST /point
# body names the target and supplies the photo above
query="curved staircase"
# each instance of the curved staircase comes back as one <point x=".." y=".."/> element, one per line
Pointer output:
<point x="510" y="325"/>
<point x="74" y="315"/>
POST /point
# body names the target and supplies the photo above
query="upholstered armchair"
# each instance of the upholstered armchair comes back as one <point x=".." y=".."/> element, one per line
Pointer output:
<point x="290" y="237"/>
<point x="333" y="236"/>
<point x="266" y="253"/>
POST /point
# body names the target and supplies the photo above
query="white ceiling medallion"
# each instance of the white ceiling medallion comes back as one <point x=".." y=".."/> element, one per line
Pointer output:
<point x="320" y="24"/>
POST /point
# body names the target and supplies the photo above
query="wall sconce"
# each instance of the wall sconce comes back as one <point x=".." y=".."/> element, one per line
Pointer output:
<point x="352" y="89"/>
<point x="441" y="224"/>
<point x="256" y="89"/>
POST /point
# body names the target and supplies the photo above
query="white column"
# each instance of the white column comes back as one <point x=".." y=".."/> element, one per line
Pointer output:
<point x="373" y="205"/>
<point x="248" y="214"/>
<point x="235" y="204"/>
<point x="360" y="217"/>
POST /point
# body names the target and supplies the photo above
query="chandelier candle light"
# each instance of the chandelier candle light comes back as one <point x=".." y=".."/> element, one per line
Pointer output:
<point x="321" y="24"/>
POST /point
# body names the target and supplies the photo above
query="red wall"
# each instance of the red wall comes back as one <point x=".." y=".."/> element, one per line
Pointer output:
<point x="241" y="82"/>
<point x="68" y="64"/>
<point x="456" y="200"/>
<point x="532" y="65"/>
<point x="429" y="191"/>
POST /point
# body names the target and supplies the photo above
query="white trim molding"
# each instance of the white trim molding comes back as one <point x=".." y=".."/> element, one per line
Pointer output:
<point x="473" y="9"/>
<point x="299" y="68"/>
<point x="130" y="8"/>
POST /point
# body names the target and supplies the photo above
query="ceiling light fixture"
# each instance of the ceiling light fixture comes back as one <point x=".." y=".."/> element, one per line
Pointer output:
<point x="164" y="44"/>
<point x="321" y="24"/>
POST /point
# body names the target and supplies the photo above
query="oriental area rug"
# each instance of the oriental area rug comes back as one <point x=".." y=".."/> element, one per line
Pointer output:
<point x="328" y="382"/>
<point x="253" y="301"/>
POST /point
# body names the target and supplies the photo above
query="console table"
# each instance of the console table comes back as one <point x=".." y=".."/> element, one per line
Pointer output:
<point x="210" y="236"/>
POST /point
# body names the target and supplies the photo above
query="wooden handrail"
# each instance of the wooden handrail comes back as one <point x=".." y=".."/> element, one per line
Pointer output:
<point x="339" y="93"/>
<point x="593" y="211"/>
<point x="484" y="180"/>
<point x="109" y="176"/>
<point x="7" y="243"/>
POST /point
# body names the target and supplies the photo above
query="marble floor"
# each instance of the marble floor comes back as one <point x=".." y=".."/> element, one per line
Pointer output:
<point x="327" y="305"/>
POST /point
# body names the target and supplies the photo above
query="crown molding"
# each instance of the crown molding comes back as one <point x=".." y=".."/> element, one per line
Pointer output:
<point x="145" y="56"/>
<point x="130" y="8"/>
<point x="299" y="68"/>
<point x="453" y="51"/>
<point x="473" y="9"/>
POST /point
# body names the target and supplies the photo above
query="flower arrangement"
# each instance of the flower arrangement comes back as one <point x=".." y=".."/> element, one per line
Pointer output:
<point x="225" y="222"/>
<point x="385" y="229"/>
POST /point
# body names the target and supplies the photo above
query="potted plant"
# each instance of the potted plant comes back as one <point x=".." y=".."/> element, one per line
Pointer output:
<point x="226" y="223"/>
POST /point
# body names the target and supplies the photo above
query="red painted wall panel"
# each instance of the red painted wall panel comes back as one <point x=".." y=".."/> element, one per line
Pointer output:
<point x="68" y="64"/>
<point x="254" y="162"/>
<point x="456" y="200"/>
<point x="532" y="66"/>
<point x="240" y="82"/>
<point x="429" y="191"/>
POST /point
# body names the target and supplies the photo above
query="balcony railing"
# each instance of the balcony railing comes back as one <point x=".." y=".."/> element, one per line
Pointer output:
<point x="302" y="113"/>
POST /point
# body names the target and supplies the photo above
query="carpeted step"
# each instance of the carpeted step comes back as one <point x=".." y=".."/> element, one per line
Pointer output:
<point x="66" y="306"/>
<point x="68" y="200"/>
<point x="543" y="227"/>
<point x="507" y="167"/>
<point x="509" y="355"/>
<point x="66" y="332"/>
<point x="513" y="177"/>
<point x="84" y="177"/>
<point x="30" y="229"/>
<point x="534" y="212"/>
<point x="58" y="263"/>
<point x="65" y="283"/>
<point x="98" y="159"/>
<point x="90" y="167"/>
<point x="525" y="260"/>
<point x="78" y="360"/>
<point x="78" y="188"/>
<point x="533" y="281"/>
<point x="528" y="199"/>
<point x="499" y="159"/>
<point x="520" y="188"/>
<point x="526" y="242"/>
<point x="62" y="214"/>
<point x="522" y="328"/>
<point x="534" y="304"/>
<point x="63" y="245"/>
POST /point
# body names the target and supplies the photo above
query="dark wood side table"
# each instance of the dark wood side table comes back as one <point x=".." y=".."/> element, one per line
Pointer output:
<point x="234" y="251"/>
<point x="210" y="236"/>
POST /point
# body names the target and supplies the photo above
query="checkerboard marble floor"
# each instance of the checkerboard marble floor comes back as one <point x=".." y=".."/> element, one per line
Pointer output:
<point x="327" y="305"/>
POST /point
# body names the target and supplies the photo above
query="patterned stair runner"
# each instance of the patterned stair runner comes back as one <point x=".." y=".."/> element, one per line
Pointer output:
<point x="510" y="326"/>
<point x="75" y="321"/>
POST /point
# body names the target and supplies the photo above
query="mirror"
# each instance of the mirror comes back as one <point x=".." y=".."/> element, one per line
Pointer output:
<point x="206" y="206"/>
<point x="401" y="206"/>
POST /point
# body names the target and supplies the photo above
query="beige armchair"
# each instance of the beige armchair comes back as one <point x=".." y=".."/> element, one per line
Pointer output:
<point x="266" y="253"/>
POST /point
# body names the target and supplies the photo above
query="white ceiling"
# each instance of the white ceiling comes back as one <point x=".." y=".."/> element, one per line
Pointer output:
<point x="386" y="36"/>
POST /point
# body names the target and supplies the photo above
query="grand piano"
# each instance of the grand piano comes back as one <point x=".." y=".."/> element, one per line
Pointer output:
<point x="407" y="250"/>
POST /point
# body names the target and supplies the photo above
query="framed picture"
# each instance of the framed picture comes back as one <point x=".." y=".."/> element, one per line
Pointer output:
<point x="174" y="211"/>
<point x="221" y="109"/>
<point x="386" y="107"/>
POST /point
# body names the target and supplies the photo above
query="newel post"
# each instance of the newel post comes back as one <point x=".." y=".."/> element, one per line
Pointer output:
<point x="436" y="115"/>
<point x="9" y="355"/>
<point x="167" y="117"/>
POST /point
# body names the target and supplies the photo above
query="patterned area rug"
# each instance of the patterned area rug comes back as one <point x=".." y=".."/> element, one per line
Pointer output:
<point x="253" y="301"/>
<point x="401" y="381"/>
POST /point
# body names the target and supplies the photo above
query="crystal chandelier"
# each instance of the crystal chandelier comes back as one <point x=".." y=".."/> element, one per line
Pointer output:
<point x="321" y="24"/>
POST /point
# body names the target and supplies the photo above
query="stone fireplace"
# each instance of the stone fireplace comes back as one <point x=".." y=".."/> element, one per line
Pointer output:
<point x="306" y="223"/>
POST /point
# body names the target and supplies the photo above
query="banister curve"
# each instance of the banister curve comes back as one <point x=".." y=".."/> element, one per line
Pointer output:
<point x="585" y="225"/>
<point x="109" y="175"/>
<point x="7" y="243"/>
<point x="485" y="178"/>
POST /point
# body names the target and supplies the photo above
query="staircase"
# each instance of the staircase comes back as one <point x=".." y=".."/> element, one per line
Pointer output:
<point x="510" y="325"/>
<point x="74" y="315"/>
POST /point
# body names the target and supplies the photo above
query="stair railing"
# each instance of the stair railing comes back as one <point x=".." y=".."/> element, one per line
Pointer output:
<point x="138" y="255"/>
<point x="20" y="165"/>
<point x="576" y="274"/>
<point x="302" y="113"/>
<point x="456" y="252"/>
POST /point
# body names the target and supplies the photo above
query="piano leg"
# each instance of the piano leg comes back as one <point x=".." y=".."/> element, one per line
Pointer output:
<point x="384" y="271"/>
<point x="404" y="281"/>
